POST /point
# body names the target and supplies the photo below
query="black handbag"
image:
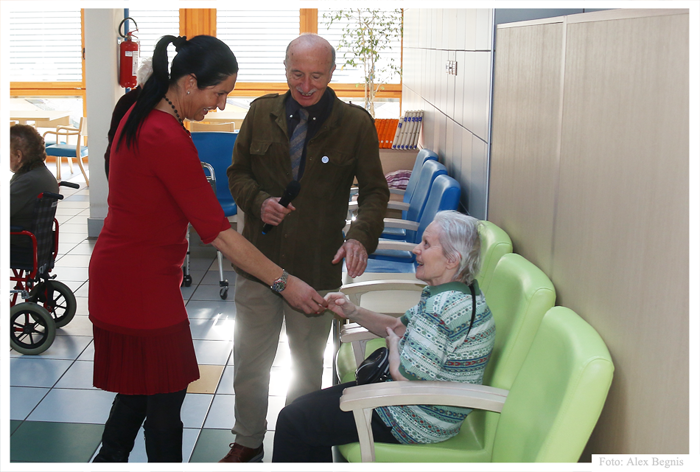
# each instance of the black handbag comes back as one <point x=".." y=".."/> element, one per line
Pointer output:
<point x="376" y="367"/>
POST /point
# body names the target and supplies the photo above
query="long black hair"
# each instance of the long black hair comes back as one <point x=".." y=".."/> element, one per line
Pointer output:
<point x="208" y="58"/>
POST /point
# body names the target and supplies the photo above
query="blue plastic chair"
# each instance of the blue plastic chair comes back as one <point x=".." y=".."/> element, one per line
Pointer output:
<point x="425" y="175"/>
<point x="76" y="151"/>
<point x="215" y="149"/>
<point x="444" y="195"/>
<point x="423" y="156"/>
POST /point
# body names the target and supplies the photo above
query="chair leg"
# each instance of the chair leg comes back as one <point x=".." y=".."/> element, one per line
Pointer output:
<point x="70" y="164"/>
<point x="82" y="169"/>
<point x="58" y="167"/>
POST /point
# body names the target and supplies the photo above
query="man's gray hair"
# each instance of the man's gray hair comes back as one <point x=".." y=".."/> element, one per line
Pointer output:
<point x="459" y="238"/>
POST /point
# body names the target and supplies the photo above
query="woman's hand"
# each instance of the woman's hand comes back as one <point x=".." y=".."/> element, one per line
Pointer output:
<point x="340" y="305"/>
<point x="392" y="341"/>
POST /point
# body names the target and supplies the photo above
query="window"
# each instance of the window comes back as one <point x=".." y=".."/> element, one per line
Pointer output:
<point x="259" y="39"/>
<point x="348" y="74"/>
<point x="153" y="25"/>
<point x="45" y="45"/>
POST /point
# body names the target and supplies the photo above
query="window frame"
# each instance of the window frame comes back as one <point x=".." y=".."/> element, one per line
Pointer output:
<point x="194" y="21"/>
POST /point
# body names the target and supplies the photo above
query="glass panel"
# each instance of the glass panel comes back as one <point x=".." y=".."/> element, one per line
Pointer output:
<point x="259" y="39"/>
<point x="45" y="45"/>
<point x="349" y="74"/>
<point x="153" y="25"/>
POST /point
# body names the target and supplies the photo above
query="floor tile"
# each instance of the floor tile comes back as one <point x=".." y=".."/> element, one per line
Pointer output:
<point x="212" y="445"/>
<point x="85" y="247"/>
<point x="72" y="261"/>
<point x="80" y="325"/>
<point x="54" y="442"/>
<point x="212" y="292"/>
<point x="226" y="382"/>
<point x="211" y="310"/>
<point x="63" y="347"/>
<point x="74" y="406"/>
<point x="212" y="275"/>
<point x="65" y="273"/>
<point x="221" y="413"/>
<point x="212" y="330"/>
<point x="70" y="237"/>
<point x="88" y="354"/>
<point x="212" y="352"/>
<point x="33" y="371"/>
<point x="78" y="376"/>
<point x="209" y="377"/>
<point x="23" y="400"/>
<point x="82" y="308"/>
<point x="14" y="424"/>
<point x="195" y="408"/>
<point x="274" y="406"/>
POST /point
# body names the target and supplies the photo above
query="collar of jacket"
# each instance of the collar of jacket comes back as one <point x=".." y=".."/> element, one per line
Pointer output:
<point x="279" y="113"/>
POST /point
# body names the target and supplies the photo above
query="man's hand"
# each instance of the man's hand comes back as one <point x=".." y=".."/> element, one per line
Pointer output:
<point x="302" y="297"/>
<point x="271" y="212"/>
<point x="355" y="256"/>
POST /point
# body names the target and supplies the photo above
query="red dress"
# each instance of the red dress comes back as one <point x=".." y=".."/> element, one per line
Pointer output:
<point x="143" y="343"/>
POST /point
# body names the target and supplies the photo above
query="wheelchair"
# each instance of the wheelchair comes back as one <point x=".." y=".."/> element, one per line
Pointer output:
<point x="47" y="303"/>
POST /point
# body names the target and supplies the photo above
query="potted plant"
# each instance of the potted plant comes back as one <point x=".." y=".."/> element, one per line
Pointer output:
<point x="366" y="35"/>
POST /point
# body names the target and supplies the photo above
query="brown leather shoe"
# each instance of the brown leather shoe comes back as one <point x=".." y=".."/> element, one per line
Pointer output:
<point x="240" y="453"/>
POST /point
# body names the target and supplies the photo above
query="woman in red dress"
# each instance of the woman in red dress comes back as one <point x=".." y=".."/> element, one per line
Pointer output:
<point x="143" y="344"/>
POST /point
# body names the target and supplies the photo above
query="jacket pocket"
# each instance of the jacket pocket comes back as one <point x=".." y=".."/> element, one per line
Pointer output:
<point x="259" y="147"/>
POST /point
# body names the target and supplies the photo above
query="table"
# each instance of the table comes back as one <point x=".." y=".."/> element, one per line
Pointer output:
<point x="225" y="117"/>
<point x="41" y="118"/>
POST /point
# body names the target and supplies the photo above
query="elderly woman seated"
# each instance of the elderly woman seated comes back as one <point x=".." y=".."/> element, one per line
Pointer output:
<point x="31" y="177"/>
<point x="438" y="339"/>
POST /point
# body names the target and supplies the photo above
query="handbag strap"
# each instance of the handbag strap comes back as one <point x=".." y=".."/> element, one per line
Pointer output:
<point x="471" y="323"/>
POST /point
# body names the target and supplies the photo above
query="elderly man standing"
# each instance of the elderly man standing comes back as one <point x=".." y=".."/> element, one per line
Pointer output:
<point x="310" y="136"/>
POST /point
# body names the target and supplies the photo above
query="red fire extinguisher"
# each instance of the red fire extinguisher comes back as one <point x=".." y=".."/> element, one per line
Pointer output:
<point x="128" y="56"/>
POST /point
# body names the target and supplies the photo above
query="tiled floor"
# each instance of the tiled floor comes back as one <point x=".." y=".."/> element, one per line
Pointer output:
<point x="57" y="416"/>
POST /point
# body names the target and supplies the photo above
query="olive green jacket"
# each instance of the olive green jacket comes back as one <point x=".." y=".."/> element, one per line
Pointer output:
<point x="345" y="148"/>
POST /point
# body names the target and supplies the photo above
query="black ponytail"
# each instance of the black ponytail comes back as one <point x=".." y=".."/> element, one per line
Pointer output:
<point x="208" y="58"/>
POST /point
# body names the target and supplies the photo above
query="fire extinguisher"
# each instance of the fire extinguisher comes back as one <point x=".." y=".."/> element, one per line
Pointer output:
<point x="128" y="56"/>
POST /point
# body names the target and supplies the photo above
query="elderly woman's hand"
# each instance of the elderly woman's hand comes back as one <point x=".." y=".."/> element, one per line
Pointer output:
<point x="392" y="341"/>
<point x="340" y="305"/>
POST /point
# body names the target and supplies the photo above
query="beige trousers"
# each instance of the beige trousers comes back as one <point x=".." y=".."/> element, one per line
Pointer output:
<point x="259" y="316"/>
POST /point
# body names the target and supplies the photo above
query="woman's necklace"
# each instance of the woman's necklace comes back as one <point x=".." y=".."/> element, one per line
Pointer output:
<point x="177" y="115"/>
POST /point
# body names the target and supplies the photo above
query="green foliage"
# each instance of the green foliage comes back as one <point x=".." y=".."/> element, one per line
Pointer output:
<point x="367" y="34"/>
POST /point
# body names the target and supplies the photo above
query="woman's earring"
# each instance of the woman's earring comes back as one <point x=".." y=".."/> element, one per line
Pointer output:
<point x="188" y="92"/>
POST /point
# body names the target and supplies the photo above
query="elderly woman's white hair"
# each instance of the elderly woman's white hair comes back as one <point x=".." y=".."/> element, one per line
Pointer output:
<point x="459" y="238"/>
<point x="145" y="71"/>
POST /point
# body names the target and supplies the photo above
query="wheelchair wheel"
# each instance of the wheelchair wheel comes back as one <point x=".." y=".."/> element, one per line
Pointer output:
<point x="32" y="330"/>
<point x="63" y="305"/>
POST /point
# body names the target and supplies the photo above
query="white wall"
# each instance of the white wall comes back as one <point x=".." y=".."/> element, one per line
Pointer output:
<point x="102" y="93"/>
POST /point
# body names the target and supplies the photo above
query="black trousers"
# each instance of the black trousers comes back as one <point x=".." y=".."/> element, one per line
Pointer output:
<point x="309" y="426"/>
<point x="163" y="428"/>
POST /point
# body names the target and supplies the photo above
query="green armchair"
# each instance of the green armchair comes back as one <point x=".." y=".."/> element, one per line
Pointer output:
<point x="547" y="415"/>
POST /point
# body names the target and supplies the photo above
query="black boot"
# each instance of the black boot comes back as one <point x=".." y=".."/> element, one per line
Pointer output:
<point x="164" y="445"/>
<point x="120" y="431"/>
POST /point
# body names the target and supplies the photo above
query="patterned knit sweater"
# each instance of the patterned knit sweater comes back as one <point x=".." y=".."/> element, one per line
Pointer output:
<point x="436" y="347"/>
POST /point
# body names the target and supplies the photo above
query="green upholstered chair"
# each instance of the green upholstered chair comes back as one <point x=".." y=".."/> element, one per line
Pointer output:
<point x="360" y="343"/>
<point x="547" y="415"/>
<point x="519" y="296"/>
